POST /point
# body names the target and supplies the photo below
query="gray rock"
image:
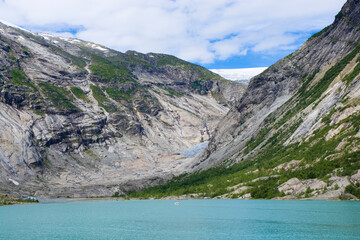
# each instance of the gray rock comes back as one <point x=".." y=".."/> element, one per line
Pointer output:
<point x="295" y="187"/>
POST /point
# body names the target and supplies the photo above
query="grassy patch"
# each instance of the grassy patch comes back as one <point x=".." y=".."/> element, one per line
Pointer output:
<point x="339" y="15"/>
<point x="275" y="153"/>
<point x="118" y="94"/>
<point x="18" y="77"/>
<point x="60" y="98"/>
<point x="101" y="98"/>
<point x="106" y="71"/>
<point x="79" y="93"/>
<point x="316" y="91"/>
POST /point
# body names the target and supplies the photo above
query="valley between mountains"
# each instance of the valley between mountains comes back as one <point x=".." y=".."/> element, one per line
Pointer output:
<point x="78" y="119"/>
<point x="82" y="120"/>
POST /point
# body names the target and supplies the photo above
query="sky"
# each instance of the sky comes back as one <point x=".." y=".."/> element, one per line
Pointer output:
<point x="216" y="34"/>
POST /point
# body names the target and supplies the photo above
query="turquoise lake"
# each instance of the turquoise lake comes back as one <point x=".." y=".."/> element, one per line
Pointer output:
<point x="191" y="219"/>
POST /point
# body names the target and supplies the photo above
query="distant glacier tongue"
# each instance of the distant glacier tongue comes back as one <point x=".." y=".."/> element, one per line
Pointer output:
<point x="242" y="74"/>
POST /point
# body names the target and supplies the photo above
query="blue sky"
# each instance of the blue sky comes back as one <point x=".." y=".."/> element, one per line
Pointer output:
<point x="263" y="58"/>
<point x="253" y="59"/>
<point x="212" y="33"/>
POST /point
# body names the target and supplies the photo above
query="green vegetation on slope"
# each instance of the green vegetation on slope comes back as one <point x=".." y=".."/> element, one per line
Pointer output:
<point x="118" y="94"/>
<point x="117" y="69"/>
<point x="314" y="155"/>
<point x="79" y="93"/>
<point x="60" y="98"/>
<point x="18" y="77"/>
<point x="106" y="71"/>
<point x="101" y="98"/>
<point x="308" y="96"/>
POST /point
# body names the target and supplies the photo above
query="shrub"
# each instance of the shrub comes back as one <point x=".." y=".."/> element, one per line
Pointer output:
<point x="266" y="190"/>
<point x="353" y="189"/>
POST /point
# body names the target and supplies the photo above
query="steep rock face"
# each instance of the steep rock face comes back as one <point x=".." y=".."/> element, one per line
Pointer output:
<point x="264" y="101"/>
<point x="79" y="119"/>
<point x="18" y="150"/>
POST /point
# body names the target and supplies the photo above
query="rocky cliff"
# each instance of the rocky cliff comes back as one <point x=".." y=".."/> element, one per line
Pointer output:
<point x="80" y="119"/>
<point x="295" y="132"/>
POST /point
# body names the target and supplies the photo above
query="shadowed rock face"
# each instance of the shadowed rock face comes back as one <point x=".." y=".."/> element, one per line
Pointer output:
<point x="79" y="119"/>
<point x="274" y="92"/>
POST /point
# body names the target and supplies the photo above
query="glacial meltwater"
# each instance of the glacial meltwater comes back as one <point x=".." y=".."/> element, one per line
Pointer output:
<point x="189" y="219"/>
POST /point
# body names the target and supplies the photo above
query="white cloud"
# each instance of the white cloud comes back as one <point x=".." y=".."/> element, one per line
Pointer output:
<point x="195" y="30"/>
<point x="228" y="47"/>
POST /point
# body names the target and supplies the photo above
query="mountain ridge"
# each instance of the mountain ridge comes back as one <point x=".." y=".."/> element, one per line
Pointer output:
<point x="80" y="119"/>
